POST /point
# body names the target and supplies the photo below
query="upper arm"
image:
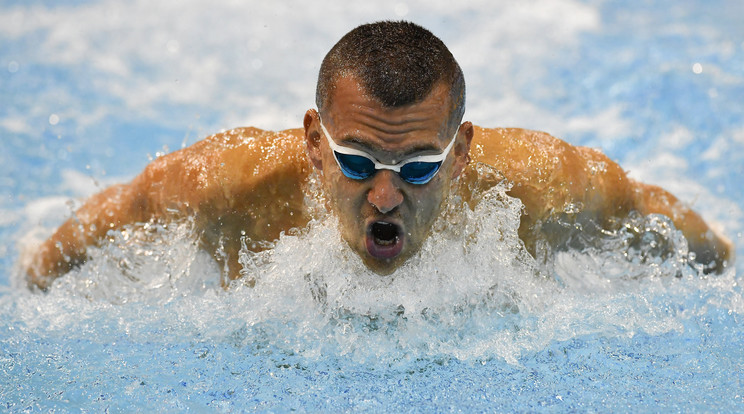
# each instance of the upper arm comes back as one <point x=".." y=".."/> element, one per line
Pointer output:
<point x="552" y="177"/>
<point x="110" y="209"/>
<point x="234" y="183"/>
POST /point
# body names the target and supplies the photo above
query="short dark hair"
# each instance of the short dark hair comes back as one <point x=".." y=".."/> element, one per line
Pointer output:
<point x="397" y="62"/>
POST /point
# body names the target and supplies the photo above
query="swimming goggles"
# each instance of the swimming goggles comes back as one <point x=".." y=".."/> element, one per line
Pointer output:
<point x="358" y="165"/>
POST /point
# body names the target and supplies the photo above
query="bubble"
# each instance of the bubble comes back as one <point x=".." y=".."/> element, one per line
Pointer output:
<point x="256" y="64"/>
<point x="401" y="9"/>
<point x="53" y="119"/>
<point x="13" y="66"/>
<point x="697" y="68"/>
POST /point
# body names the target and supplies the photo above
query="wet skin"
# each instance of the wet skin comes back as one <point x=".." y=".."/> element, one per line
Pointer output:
<point x="383" y="218"/>
<point x="250" y="182"/>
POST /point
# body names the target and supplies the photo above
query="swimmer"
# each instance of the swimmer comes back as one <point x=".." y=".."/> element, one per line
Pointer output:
<point x="387" y="140"/>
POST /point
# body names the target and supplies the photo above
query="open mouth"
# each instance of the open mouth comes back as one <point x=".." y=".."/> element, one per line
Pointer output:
<point x="384" y="239"/>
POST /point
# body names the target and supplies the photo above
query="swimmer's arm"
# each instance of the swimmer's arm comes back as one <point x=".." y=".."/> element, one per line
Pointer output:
<point x="711" y="249"/>
<point x="611" y="188"/>
<point x="165" y="187"/>
<point x="551" y="177"/>
<point x="245" y="182"/>
<point x="610" y="193"/>
<point x="66" y="248"/>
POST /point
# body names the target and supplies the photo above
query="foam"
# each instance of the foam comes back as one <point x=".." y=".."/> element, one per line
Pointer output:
<point x="472" y="292"/>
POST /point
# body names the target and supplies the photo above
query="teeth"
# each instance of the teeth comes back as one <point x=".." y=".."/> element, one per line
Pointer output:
<point x="386" y="242"/>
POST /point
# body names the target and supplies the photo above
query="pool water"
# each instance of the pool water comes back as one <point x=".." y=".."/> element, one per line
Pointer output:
<point x="91" y="91"/>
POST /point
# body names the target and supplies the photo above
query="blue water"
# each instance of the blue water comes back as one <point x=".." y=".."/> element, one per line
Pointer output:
<point x="90" y="91"/>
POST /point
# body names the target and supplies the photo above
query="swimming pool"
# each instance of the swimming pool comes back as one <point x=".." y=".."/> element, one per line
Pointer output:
<point x="91" y="90"/>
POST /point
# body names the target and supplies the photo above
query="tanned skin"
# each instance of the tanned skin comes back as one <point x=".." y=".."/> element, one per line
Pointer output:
<point x="250" y="182"/>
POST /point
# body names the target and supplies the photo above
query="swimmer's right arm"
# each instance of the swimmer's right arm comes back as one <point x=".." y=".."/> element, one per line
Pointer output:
<point x="245" y="182"/>
<point x="110" y="209"/>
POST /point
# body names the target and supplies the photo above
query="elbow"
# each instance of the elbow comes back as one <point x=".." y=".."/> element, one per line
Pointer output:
<point x="50" y="261"/>
<point x="713" y="251"/>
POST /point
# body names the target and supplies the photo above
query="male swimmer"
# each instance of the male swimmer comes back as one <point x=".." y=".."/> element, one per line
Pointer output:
<point x="387" y="140"/>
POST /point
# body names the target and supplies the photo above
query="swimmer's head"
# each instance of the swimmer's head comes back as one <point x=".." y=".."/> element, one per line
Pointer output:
<point x="397" y="63"/>
<point x="399" y="99"/>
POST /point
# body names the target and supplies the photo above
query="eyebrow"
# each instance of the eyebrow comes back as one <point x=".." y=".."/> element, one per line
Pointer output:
<point x="369" y="147"/>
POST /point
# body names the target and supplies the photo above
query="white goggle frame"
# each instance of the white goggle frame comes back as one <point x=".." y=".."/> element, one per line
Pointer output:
<point x="382" y="166"/>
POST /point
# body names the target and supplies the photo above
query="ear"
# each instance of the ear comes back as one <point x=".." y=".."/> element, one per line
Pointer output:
<point x="462" y="148"/>
<point x="312" y="137"/>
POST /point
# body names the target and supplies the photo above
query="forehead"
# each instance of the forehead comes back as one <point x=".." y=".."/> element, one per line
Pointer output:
<point x="354" y="117"/>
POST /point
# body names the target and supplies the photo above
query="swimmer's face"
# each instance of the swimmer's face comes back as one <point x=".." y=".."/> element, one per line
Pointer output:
<point x="384" y="218"/>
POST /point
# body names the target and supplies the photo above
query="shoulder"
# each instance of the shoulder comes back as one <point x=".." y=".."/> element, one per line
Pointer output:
<point x="242" y="153"/>
<point x="522" y="154"/>
<point x="225" y="167"/>
<point x="244" y="159"/>
<point x="249" y="144"/>
<point x="548" y="174"/>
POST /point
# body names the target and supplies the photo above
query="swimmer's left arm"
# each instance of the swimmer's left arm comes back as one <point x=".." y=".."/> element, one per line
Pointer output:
<point x="610" y="187"/>
<point x="551" y="177"/>
<point x="711" y="248"/>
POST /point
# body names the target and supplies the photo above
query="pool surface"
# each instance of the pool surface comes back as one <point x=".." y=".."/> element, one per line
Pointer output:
<point x="91" y="91"/>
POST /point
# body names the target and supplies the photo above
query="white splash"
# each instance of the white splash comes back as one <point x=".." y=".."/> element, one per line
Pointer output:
<point x="472" y="292"/>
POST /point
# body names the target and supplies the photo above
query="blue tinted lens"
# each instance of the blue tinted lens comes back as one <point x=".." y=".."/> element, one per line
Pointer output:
<point x="354" y="166"/>
<point x="419" y="172"/>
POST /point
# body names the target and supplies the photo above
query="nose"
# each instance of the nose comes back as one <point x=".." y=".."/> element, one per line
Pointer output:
<point x="384" y="194"/>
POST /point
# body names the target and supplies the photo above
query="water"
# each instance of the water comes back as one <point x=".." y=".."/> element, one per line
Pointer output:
<point x="90" y="91"/>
